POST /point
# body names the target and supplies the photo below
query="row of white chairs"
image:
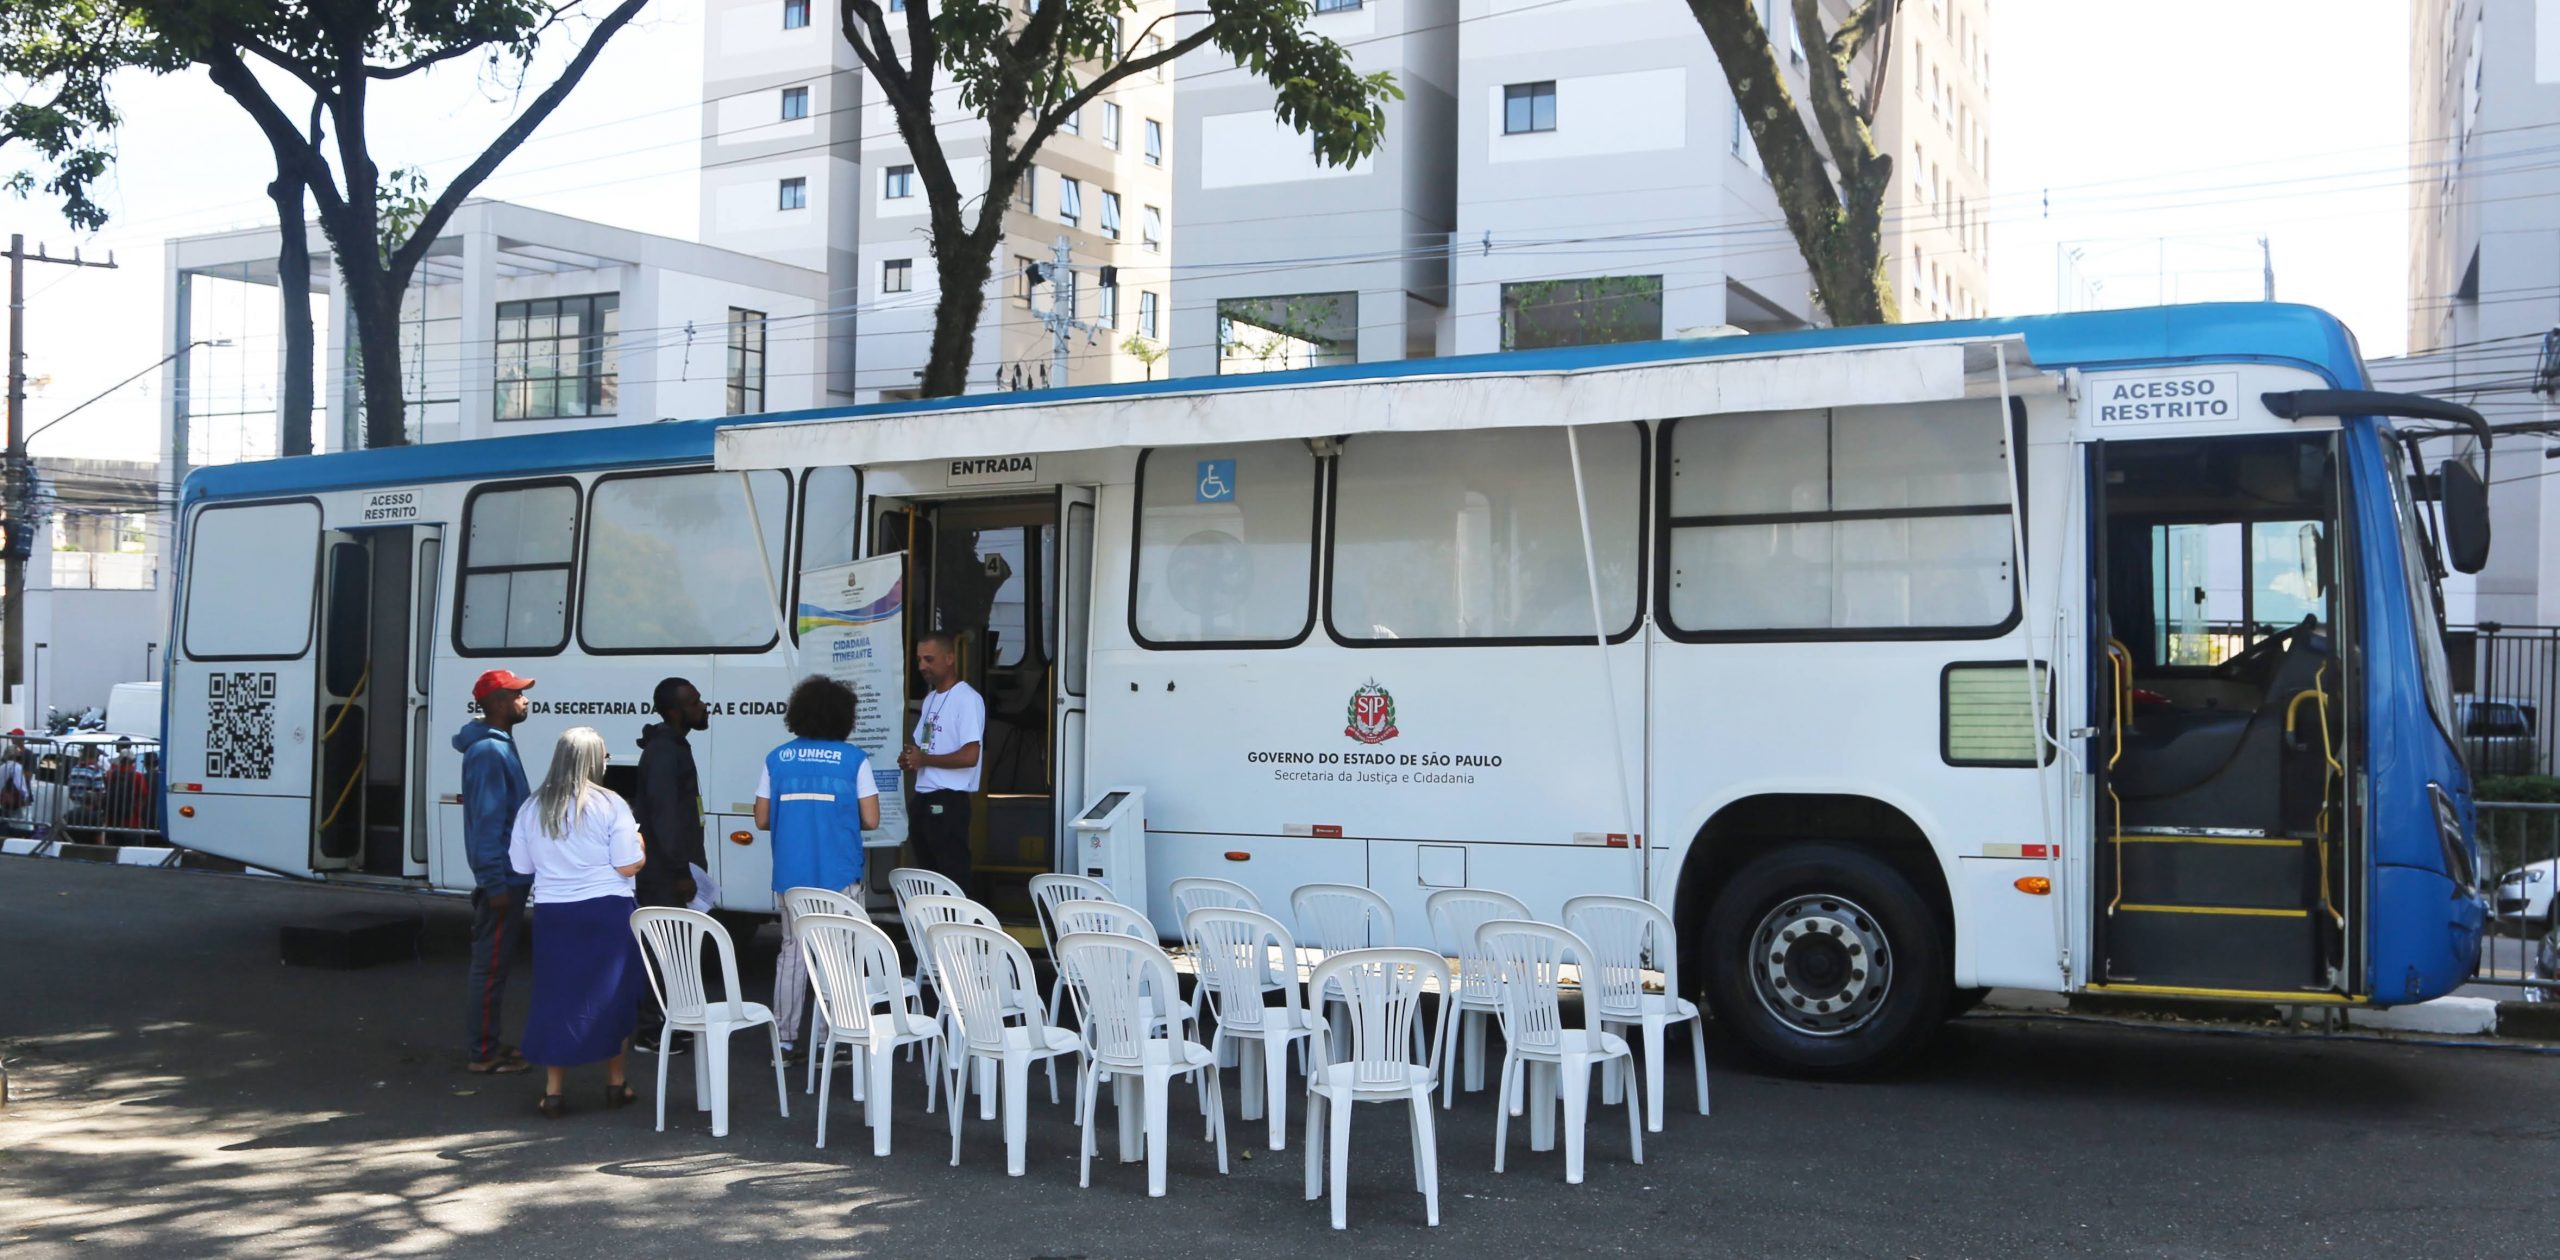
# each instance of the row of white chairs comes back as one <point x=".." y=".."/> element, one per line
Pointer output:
<point x="1136" y="1035"/>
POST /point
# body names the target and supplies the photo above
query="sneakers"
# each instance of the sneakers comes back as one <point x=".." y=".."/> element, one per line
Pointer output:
<point x="675" y="1043"/>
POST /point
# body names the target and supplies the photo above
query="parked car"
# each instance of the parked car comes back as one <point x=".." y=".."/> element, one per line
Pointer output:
<point x="2500" y="734"/>
<point x="2525" y="894"/>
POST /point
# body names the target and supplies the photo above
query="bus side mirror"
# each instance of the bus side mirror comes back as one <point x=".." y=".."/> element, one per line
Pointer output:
<point x="2465" y="504"/>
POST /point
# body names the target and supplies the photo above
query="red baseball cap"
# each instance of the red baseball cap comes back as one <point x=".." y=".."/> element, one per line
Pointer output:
<point x="499" y="680"/>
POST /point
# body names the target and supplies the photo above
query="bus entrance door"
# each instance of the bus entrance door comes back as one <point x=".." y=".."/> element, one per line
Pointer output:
<point x="376" y="654"/>
<point x="2225" y="829"/>
<point x="986" y="572"/>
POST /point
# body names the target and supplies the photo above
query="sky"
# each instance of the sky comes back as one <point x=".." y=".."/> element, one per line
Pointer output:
<point x="2160" y="140"/>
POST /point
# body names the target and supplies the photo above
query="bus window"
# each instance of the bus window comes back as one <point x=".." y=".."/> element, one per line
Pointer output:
<point x="673" y="563"/>
<point x="2220" y="586"/>
<point x="830" y="514"/>
<point x="517" y="545"/>
<point x="1226" y="545"/>
<point x="1855" y="521"/>
<point x="1477" y="536"/>
<point x="269" y="549"/>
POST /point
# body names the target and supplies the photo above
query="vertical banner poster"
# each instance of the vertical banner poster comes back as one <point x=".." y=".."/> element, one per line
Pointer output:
<point x="853" y="629"/>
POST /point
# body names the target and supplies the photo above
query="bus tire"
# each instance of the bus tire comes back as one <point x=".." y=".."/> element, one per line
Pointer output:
<point x="1825" y="961"/>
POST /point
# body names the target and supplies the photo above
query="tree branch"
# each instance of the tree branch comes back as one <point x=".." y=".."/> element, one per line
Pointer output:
<point x="1835" y="110"/>
<point x="559" y="13"/>
<point x="232" y="75"/>
<point x="405" y="259"/>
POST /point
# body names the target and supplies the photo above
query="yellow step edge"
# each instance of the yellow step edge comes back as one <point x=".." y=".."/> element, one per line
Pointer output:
<point x="2252" y="912"/>
<point x="2251" y="842"/>
<point x="2260" y="995"/>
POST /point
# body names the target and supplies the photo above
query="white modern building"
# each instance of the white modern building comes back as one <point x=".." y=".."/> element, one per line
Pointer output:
<point x="802" y="164"/>
<point x="2484" y="270"/>
<point x="519" y="321"/>
<point x="1556" y="174"/>
<point x="95" y="603"/>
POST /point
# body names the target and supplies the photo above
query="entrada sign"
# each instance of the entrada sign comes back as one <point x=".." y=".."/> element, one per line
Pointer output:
<point x="995" y="470"/>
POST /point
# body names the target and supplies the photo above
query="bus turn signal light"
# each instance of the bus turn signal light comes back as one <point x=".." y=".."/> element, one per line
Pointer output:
<point x="2033" y="885"/>
<point x="742" y="837"/>
<point x="186" y="811"/>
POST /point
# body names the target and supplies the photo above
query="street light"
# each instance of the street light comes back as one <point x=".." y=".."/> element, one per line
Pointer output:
<point x="206" y="341"/>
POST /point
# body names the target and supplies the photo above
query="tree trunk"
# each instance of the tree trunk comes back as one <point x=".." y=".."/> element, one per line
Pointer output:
<point x="293" y="285"/>
<point x="962" y="272"/>
<point x="376" y="308"/>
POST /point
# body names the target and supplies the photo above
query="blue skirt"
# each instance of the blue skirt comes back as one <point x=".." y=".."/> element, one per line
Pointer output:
<point x="587" y="981"/>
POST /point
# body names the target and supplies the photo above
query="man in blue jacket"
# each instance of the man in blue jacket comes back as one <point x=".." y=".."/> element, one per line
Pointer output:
<point x="493" y="788"/>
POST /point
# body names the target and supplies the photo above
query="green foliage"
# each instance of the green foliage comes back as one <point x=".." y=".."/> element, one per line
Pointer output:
<point x="55" y="56"/>
<point x="399" y="206"/>
<point x="1144" y="351"/>
<point x="2530" y="789"/>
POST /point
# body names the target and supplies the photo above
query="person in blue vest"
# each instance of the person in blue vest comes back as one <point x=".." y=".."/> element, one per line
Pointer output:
<point x="816" y="797"/>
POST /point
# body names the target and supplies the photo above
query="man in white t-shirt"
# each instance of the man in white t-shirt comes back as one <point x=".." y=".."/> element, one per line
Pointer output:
<point x="941" y="760"/>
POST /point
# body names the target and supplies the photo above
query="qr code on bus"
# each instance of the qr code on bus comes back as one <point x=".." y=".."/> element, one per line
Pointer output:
<point x="240" y="727"/>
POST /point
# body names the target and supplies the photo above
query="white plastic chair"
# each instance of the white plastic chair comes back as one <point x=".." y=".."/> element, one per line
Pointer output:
<point x="1455" y="915"/>
<point x="1531" y="958"/>
<point x="1236" y="952"/>
<point x="1339" y="917"/>
<point x="985" y="975"/>
<point x="1623" y="933"/>
<point x="924" y="912"/>
<point x="1205" y="892"/>
<point x="1381" y="995"/>
<point x="1047" y="891"/>
<point x="851" y="963"/>
<point x="804" y="901"/>
<point x="671" y="950"/>
<point x="1121" y="982"/>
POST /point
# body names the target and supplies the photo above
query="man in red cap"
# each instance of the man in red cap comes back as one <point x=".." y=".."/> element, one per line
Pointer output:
<point x="493" y="789"/>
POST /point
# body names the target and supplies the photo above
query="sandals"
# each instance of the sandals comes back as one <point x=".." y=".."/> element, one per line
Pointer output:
<point x="504" y="1064"/>
<point x="619" y="1096"/>
<point x="552" y="1106"/>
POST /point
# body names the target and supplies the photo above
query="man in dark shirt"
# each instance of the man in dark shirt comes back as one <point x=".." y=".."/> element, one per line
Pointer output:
<point x="668" y="804"/>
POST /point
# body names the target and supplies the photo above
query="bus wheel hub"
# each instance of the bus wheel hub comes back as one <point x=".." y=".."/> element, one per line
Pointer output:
<point x="1821" y="964"/>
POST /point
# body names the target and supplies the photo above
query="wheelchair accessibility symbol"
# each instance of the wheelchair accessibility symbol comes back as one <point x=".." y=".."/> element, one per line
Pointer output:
<point x="1217" y="481"/>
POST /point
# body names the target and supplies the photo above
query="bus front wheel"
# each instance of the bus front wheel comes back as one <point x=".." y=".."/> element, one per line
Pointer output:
<point x="1826" y="961"/>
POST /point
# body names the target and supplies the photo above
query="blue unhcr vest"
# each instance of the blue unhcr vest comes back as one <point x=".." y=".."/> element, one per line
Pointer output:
<point x="817" y="813"/>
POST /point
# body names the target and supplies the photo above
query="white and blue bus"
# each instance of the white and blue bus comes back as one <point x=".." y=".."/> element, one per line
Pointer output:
<point x="2089" y="653"/>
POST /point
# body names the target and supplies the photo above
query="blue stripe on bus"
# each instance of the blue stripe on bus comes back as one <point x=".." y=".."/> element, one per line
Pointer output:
<point x="2265" y="332"/>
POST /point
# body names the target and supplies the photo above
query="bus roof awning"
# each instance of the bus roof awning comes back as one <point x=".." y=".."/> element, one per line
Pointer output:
<point x="1232" y="409"/>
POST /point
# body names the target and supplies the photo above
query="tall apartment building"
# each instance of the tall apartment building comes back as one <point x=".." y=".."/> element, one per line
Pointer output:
<point x="1557" y="174"/>
<point x="802" y="164"/>
<point x="1934" y="117"/>
<point x="2484" y="264"/>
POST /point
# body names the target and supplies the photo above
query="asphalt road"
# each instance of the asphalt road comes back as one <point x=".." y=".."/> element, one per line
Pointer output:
<point x="180" y="1093"/>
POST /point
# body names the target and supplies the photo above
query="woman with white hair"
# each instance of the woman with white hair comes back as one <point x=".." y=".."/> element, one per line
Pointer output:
<point x="582" y="846"/>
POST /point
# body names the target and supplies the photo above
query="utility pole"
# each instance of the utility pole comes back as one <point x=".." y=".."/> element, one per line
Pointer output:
<point x="17" y="480"/>
<point x="2267" y="261"/>
<point x="1060" y="318"/>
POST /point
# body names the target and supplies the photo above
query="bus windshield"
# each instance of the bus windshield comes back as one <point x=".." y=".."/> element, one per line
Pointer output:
<point x="2426" y="600"/>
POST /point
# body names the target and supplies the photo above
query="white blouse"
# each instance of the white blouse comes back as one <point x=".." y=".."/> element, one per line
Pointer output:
<point x="578" y="866"/>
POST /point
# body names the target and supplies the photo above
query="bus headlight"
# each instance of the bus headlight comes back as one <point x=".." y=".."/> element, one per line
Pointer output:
<point x="2457" y="862"/>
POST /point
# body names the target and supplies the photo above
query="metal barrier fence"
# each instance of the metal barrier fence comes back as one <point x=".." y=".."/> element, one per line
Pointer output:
<point x="2520" y="851"/>
<point x="2510" y="676"/>
<point x="86" y="789"/>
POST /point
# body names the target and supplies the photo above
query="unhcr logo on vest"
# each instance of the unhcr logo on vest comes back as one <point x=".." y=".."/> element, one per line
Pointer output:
<point x="831" y="756"/>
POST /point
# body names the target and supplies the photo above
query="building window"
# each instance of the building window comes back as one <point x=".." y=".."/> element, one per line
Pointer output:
<point x="1336" y="6"/>
<point x="1274" y="334"/>
<point x="795" y="14"/>
<point x="1155" y="143"/>
<point x="1146" y="314"/>
<point x="519" y="542"/>
<point x="1110" y="125"/>
<point x="898" y="183"/>
<point x="1151" y="229"/>
<point x="1842" y="523"/>
<point x="556" y="357"/>
<point x="746" y="362"/>
<point x="795" y="194"/>
<point x="897" y="275"/>
<point x="1107" y="298"/>
<point x="1595" y="311"/>
<point x="1111" y="214"/>
<point x="1070" y="201"/>
<point x="1026" y="277"/>
<point x="1026" y="195"/>
<point x="795" y="103"/>
<point x="1072" y="124"/>
<point x="1528" y="107"/>
<point x="1155" y="48"/>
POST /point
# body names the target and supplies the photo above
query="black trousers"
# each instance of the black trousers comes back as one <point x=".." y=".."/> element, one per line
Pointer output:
<point x="649" y="892"/>
<point x="938" y="826"/>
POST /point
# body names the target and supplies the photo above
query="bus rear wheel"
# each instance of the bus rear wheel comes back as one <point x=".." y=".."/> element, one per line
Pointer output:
<point x="1825" y="961"/>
